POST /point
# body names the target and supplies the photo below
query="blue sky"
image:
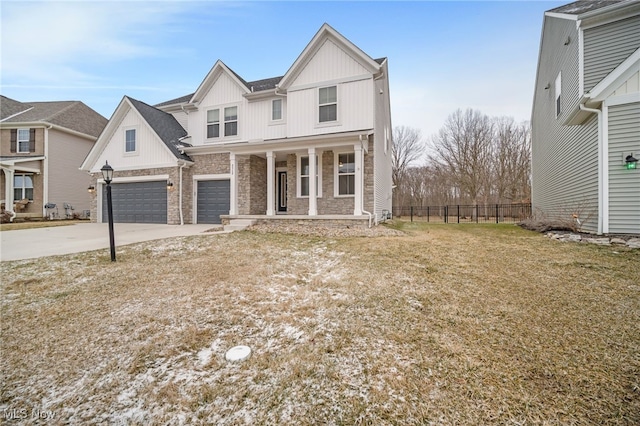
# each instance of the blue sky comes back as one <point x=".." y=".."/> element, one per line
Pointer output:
<point x="443" y="55"/>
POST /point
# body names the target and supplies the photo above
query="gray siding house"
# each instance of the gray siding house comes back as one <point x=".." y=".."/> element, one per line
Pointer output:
<point x="43" y="145"/>
<point x="586" y="116"/>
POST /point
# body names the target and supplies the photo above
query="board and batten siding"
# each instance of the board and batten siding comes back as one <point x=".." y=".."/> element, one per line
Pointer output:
<point x="564" y="158"/>
<point x="355" y="109"/>
<point x="149" y="153"/>
<point x="607" y="46"/>
<point x="624" y="185"/>
<point x="259" y="125"/>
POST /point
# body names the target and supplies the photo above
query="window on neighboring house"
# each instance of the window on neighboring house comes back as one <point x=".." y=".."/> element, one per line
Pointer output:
<point x="304" y="170"/>
<point x="23" y="140"/>
<point x="328" y="104"/>
<point x="213" y="123"/>
<point x="346" y="172"/>
<point x="558" y="93"/>
<point x="276" y="109"/>
<point x="130" y="140"/>
<point x="231" y="121"/>
<point x="23" y="187"/>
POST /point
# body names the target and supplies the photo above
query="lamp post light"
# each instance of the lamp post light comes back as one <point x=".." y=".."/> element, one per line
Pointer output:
<point x="107" y="175"/>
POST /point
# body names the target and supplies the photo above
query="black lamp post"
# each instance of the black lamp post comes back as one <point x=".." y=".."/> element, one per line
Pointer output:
<point x="107" y="175"/>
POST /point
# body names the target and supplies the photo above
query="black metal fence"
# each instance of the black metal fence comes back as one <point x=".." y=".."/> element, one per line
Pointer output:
<point x="479" y="213"/>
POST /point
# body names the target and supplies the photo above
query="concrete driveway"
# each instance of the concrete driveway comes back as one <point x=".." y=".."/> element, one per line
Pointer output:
<point x="40" y="242"/>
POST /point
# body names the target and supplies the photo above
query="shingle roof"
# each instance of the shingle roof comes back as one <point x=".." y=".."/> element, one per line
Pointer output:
<point x="72" y="115"/>
<point x="9" y="107"/>
<point x="180" y="100"/>
<point x="582" y="6"/>
<point x="165" y="125"/>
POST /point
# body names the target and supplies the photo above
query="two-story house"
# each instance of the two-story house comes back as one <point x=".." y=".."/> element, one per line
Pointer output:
<point x="313" y="143"/>
<point x="42" y="147"/>
<point x="586" y="117"/>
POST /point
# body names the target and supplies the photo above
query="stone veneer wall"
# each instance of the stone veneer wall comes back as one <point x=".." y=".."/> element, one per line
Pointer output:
<point x="252" y="185"/>
<point x="368" y="177"/>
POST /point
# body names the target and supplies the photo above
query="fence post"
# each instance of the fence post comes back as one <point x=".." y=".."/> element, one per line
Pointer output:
<point x="446" y="214"/>
<point x="458" y="213"/>
<point x="427" y="214"/>
<point x="411" y="213"/>
<point x="497" y="215"/>
<point x="477" y="213"/>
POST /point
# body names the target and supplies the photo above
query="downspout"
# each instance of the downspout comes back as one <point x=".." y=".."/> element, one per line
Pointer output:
<point x="45" y="178"/>
<point x="180" y="195"/>
<point x="362" y="186"/>
<point x="601" y="188"/>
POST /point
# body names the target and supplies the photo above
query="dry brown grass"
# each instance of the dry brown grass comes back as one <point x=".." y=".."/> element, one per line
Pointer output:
<point x="37" y="224"/>
<point x="445" y="325"/>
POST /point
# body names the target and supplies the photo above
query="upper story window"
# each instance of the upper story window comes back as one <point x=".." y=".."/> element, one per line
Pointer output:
<point x="23" y="187"/>
<point x="213" y="123"/>
<point x="24" y="137"/>
<point x="346" y="173"/>
<point x="558" y="91"/>
<point x="276" y="109"/>
<point x="328" y="104"/>
<point x="231" y="121"/>
<point x="130" y="140"/>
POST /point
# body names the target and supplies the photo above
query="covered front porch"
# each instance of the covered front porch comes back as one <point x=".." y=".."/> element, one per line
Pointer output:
<point x="321" y="178"/>
<point x="22" y="186"/>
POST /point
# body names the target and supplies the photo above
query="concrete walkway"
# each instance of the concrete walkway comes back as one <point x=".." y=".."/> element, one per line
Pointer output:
<point x="55" y="240"/>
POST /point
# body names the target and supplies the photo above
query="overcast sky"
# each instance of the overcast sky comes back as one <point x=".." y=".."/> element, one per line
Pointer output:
<point x="443" y="55"/>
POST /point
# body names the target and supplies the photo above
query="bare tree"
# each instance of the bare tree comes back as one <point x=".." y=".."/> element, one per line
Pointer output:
<point x="463" y="150"/>
<point x="407" y="148"/>
<point x="512" y="160"/>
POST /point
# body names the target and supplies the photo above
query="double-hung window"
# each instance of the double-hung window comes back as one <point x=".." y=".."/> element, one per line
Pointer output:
<point x="305" y="171"/>
<point x="346" y="173"/>
<point x="327" y="104"/>
<point x="23" y="187"/>
<point x="213" y="123"/>
<point x="231" y="121"/>
<point x="23" y="140"/>
<point x="130" y="140"/>
<point x="276" y="109"/>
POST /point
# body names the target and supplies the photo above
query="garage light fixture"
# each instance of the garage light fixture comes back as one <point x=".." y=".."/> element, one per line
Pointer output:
<point x="91" y="189"/>
<point x="630" y="162"/>
<point x="169" y="185"/>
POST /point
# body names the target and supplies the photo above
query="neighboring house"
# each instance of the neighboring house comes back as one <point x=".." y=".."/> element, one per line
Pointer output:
<point x="314" y="143"/>
<point x="586" y="116"/>
<point x="42" y="146"/>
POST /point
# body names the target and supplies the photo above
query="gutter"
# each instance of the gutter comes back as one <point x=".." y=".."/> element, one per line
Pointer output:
<point x="180" y="195"/>
<point x="601" y="188"/>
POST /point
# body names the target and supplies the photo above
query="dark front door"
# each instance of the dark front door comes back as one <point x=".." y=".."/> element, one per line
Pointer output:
<point x="282" y="192"/>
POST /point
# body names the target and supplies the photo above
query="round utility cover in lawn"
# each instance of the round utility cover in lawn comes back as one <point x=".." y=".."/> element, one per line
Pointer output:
<point x="238" y="353"/>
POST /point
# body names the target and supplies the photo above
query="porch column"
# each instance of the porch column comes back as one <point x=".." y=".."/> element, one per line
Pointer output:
<point x="271" y="162"/>
<point x="233" y="190"/>
<point x="357" y="202"/>
<point x="8" y="190"/>
<point x="313" y="196"/>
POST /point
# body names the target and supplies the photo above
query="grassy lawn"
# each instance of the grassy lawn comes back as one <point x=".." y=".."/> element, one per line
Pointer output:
<point x="38" y="224"/>
<point x="446" y="324"/>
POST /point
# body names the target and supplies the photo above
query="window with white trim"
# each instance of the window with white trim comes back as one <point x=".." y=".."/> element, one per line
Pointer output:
<point x="346" y="173"/>
<point x="327" y="104"/>
<point x="276" y="109"/>
<point x="213" y="123"/>
<point x="558" y="91"/>
<point x="303" y="176"/>
<point x="231" y="121"/>
<point x="23" y="140"/>
<point x="130" y="140"/>
<point x="23" y="187"/>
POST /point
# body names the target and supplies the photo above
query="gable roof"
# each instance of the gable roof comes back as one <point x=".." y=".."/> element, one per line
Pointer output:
<point x="165" y="125"/>
<point x="583" y="6"/>
<point x="324" y="33"/>
<point x="71" y="115"/>
<point x="218" y="68"/>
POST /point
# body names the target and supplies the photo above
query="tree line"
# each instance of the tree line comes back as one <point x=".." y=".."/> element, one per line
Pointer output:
<point x="473" y="159"/>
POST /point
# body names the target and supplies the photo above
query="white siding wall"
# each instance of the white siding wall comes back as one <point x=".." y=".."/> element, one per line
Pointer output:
<point x="382" y="150"/>
<point x="224" y="92"/>
<point x="355" y="109"/>
<point x="632" y="85"/>
<point x="624" y="185"/>
<point x="329" y="63"/>
<point x="259" y="124"/>
<point x="564" y="158"/>
<point x="67" y="183"/>
<point x="183" y="119"/>
<point x="150" y="149"/>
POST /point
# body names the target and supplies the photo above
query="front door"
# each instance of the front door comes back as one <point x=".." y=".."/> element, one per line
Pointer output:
<point x="282" y="192"/>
